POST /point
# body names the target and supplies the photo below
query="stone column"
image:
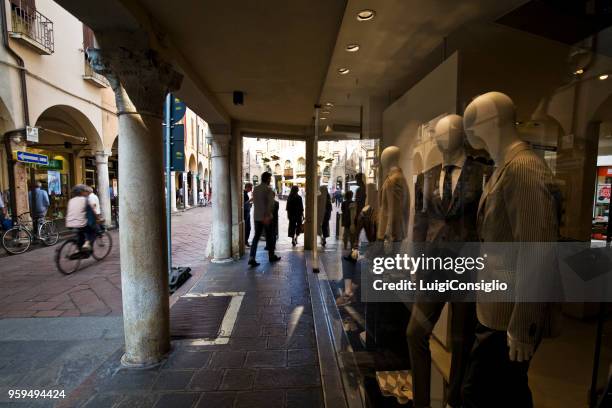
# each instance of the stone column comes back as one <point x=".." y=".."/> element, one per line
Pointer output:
<point x="221" y="196"/>
<point x="310" y="235"/>
<point x="236" y="193"/>
<point x="140" y="81"/>
<point x="173" y="191"/>
<point x="194" y="188"/>
<point x="104" y="186"/>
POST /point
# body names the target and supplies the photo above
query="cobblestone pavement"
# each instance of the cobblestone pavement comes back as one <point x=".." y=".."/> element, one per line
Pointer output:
<point x="33" y="287"/>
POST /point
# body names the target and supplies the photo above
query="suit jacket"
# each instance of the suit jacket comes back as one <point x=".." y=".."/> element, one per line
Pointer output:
<point x="394" y="207"/>
<point x="457" y="223"/>
<point x="518" y="205"/>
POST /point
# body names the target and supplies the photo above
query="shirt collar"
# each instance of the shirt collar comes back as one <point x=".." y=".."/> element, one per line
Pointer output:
<point x="458" y="163"/>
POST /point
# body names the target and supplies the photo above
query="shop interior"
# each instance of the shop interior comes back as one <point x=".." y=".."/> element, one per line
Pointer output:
<point x="560" y="83"/>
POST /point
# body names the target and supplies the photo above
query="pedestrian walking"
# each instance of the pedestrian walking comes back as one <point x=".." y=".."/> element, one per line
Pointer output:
<point x="200" y="198"/>
<point x="324" y="210"/>
<point x="39" y="204"/>
<point x="263" y="203"/>
<point x="338" y="197"/>
<point x="348" y="209"/>
<point x="295" y="214"/>
<point x="248" y="203"/>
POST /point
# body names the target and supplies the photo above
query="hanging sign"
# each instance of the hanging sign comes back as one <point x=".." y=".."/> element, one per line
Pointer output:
<point x="32" y="134"/>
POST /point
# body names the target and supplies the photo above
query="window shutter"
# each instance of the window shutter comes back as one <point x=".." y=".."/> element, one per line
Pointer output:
<point x="88" y="38"/>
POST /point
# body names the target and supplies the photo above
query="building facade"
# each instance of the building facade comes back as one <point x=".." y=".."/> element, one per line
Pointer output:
<point x="46" y="84"/>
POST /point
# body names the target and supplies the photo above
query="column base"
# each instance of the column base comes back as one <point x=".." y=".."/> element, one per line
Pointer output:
<point x="222" y="260"/>
<point x="140" y="366"/>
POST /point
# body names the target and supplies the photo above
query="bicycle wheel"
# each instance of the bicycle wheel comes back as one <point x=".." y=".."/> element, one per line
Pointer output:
<point x="67" y="257"/>
<point x="48" y="233"/>
<point x="102" y="246"/>
<point x="16" y="240"/>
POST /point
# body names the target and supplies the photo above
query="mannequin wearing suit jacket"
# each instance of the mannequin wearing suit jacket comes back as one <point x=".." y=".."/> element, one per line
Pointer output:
<point x="447" y="199"/>
<point x="517" y="205"/>
<point x="394" y="199"/>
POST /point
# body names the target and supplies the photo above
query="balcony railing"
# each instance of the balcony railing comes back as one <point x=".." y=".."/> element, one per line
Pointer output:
<point x="93" y="77"/>
<point x="31" y="27"/>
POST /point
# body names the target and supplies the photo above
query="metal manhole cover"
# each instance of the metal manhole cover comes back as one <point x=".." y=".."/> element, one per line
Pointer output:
<point x="198" y="317"/>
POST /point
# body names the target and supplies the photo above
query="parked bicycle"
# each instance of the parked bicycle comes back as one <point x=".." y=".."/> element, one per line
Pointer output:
<point x="19" y="238"/>
<point x="69" y="255"/>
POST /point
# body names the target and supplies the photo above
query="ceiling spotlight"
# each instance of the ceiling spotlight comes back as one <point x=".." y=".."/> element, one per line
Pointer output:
<point x="365" y="15"/>
<point x="579" y="71"/>
<point x="325" y="112"/>
<point x="352" y="47"/>
<point x="323" y="118"/>
<point x="329" y="104"/>
<point x="343" y="71"/>
<point x="603" y="77"/>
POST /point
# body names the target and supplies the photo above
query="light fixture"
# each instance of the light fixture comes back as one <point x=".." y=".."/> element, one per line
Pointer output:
<point x="352" y="47"/>
<point x="322" y="118"/>
<point x="365" y="15"/>
<point x="325" y="112"/>
<point x="603" y="77"/>
<point x="329" y="104"/>
<point x="343" y="71"/>
<point x="579" y="71"/>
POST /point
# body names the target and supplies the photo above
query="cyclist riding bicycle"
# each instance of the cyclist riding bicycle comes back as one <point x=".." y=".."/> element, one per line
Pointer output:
<point x="81" y="215"/>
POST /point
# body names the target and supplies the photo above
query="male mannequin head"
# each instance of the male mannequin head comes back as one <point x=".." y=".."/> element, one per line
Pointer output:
<point x="490" y="123"/>
<point x="390" y="158"/>
<point x="449" y="136"/>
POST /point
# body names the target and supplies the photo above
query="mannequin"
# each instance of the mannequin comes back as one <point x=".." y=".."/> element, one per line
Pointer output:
<point x="446" y="212"/>
<point x="394" y="199"/>
<point x="517" y="205"/>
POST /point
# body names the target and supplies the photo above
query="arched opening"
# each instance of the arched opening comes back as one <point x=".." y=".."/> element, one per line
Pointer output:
<point x="70" y="141"/>
<point x="192" y="189"/>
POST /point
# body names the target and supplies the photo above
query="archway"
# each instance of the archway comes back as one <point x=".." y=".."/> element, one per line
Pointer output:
<point x="191" y="192"/>
<point x="70" y="141"/>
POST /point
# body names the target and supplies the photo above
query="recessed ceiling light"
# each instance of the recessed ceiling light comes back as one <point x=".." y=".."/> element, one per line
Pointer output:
<point x="579" y="71"/>
<point x="352" y="47"/>
<point x="329" y="105"/>
<point x="343" y="71"/>
<point x="365" y="15"/>
<point x="325" y="112"/>
<point x="603" y="77"/>
<point x="323" y="118"/>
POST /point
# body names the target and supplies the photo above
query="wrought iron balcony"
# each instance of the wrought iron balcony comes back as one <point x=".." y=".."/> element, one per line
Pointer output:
<point x="31" y="28"/>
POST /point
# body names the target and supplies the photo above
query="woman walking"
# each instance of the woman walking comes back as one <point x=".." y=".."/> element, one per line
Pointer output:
<point x="295" y="213"/>
<point x="324" y="210"/>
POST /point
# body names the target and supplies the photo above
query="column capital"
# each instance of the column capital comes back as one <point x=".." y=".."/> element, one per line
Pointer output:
<point x="139" y="77"/>
<point x="102" y="156"/>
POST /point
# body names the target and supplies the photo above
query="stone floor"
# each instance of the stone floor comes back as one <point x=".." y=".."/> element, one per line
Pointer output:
<point x="270" y="360"/>
<point x="33" y="287"/>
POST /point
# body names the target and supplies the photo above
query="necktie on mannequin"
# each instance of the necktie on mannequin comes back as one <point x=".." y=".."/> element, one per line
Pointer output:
<point x="447" y="187"/>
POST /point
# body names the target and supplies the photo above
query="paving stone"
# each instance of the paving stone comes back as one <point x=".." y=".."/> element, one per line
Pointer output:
<point x="228" y="359"/>
<point x="180" y="359"/>
<point x="173" y="379"/>
<point x="247" y="344"/>
<point x="177" y="400"/>
<point x="268" y="358"/>
<point x="237" y="379"/>
<point x="308" y="398"/>
<point x="272" y="319"/>
<point x="274" y="330"/>
<point x="291" y="342"/>
<point x="206" y="380"/>
<point x="287" y="377"/>
<point x="138" y="401"/>
<point x="260" y="399"/>
<point x="302" y="357"/>
<point x="49" y="313"/>
<point x="124" y="380"/>
<point x="216" y="400"/>
<point x="103" y="401"/>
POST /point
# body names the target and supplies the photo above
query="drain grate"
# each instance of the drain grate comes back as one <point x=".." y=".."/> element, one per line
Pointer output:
<point x="198" y="317"/>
